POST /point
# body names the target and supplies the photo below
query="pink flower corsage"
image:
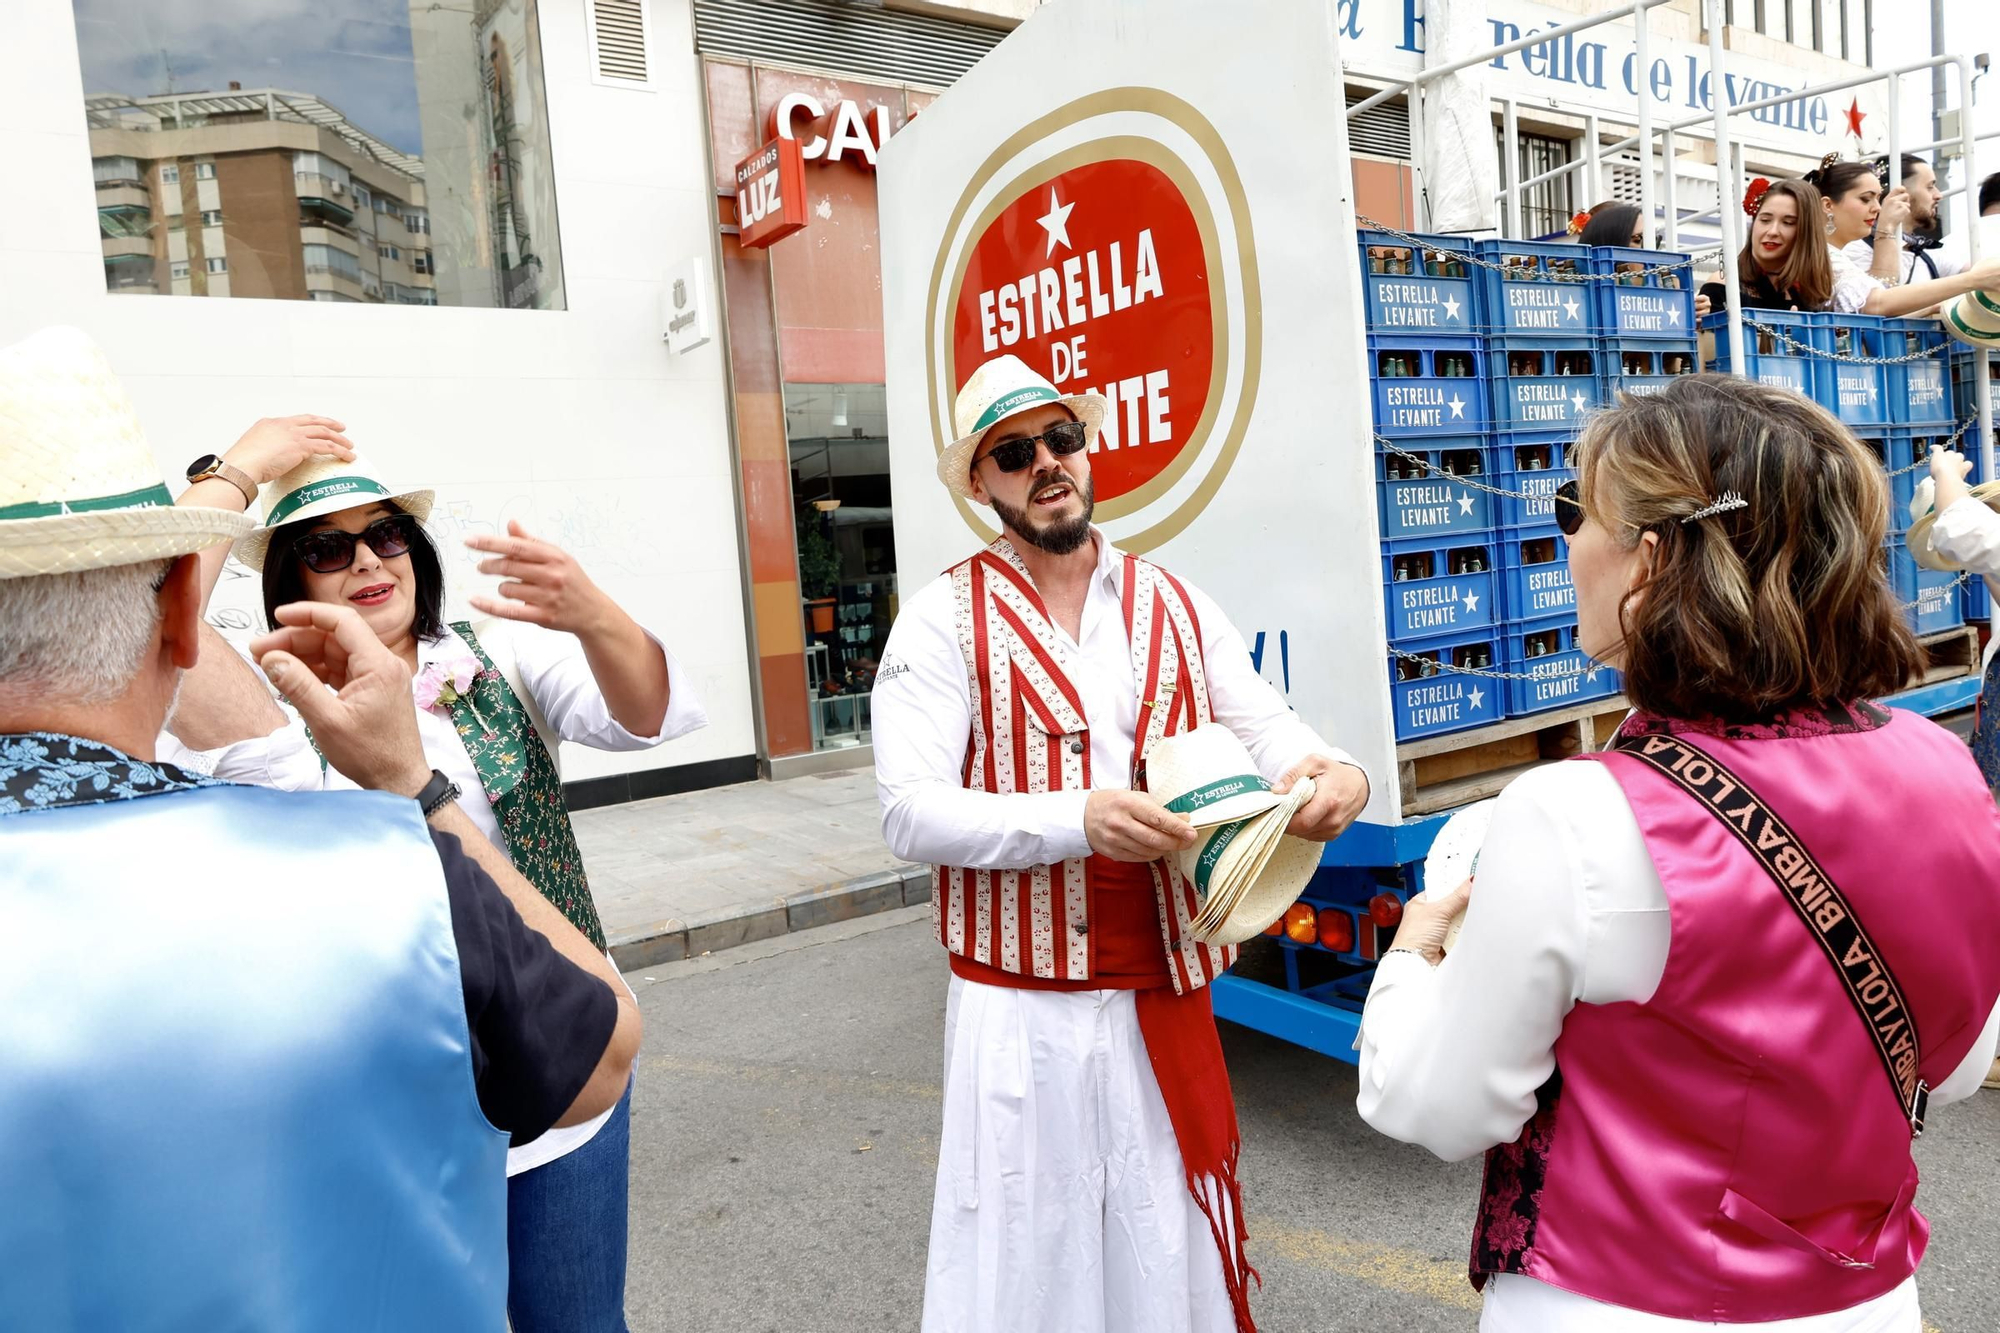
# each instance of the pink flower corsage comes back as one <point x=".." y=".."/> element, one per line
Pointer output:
<point x="444" y="683"/>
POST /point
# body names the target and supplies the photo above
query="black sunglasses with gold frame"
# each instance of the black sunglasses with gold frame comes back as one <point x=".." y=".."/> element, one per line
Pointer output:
<point x="1063" y="439"/>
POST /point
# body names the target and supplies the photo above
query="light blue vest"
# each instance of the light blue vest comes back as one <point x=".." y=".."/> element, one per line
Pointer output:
<point x="236" y="1085"/>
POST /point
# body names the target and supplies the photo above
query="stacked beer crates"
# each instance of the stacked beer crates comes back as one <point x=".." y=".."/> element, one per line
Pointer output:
<point x="1484" y="359"/>
<point x="1898" y="407"/>
<point x="1434" y="460"/>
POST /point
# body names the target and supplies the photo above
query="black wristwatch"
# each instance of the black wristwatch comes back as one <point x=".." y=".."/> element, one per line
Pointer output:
<point x="208" y="465"/>
<point x="439" y="792"/>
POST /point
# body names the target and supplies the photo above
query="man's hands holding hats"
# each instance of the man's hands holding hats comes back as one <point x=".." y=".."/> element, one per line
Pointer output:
<point x="366" y="724"/>
<point x="1132" y="826"/>
<point x="1339" y="792"/>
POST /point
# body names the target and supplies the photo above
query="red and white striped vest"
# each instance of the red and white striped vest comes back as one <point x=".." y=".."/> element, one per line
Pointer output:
<point x="1029" y="736"/>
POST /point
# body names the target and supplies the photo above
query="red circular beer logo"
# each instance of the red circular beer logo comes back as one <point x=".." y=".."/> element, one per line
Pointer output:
<point x="1099" y="279"/>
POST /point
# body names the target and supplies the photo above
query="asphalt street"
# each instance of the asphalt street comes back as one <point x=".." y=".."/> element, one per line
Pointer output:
<point x="785" y="1133"/>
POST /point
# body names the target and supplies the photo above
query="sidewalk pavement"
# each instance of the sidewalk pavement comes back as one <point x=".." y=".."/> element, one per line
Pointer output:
<point x="679" y="876"/>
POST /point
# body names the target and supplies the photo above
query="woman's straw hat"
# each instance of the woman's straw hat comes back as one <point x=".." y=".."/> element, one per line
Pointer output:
<point x="1974" y="318"/>
<point x="997" y="390"/>
<point x="320" y="486"/>
<point x="78" y="485"/>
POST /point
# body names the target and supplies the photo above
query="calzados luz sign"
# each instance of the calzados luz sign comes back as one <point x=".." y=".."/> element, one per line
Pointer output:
<point x="1120" y="263"/>
<point x="770" y="194"/>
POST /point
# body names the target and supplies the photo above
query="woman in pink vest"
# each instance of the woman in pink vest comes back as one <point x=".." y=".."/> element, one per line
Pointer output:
<point x="1710" y="980"/>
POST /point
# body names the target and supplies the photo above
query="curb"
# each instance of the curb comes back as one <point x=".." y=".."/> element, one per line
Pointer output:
<point x="672" y="940"/>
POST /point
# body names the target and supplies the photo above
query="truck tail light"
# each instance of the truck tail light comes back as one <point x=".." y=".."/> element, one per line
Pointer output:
<point x="1336" y="930"/>
<point x="1301" y="924"/>
<point x="1385" y="910"/>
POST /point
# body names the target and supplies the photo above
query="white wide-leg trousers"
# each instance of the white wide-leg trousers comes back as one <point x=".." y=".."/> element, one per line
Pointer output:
<point x="1062" y="1205"/>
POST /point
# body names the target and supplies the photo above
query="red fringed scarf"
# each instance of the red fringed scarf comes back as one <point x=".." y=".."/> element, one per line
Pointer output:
<point x="1186" y="1051"/>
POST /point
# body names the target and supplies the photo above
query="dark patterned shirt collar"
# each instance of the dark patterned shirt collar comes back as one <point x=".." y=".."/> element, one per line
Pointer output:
<point x="41" y="770"/>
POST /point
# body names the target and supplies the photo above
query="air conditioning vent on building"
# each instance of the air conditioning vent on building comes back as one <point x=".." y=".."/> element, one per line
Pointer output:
<point x="618" y="41"/>
<point x="1382" y="131"/>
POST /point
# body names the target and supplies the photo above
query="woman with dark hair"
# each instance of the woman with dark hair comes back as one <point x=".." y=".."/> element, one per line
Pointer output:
<point x="1774" y="271"/>
<point x="1708" y="985"/>
<point x="1854" y="205"/>
<point x="552" y="659"/>
<point x="1613" y="224"/>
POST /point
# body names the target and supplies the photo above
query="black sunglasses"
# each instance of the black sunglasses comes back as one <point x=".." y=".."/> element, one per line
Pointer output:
<point x="1569" y="508"/>
<point x="329" y="550"/>
<point x="1063" y="439"/>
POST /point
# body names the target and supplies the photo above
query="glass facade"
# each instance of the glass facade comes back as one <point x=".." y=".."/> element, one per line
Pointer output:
<point x="838" y="442"/>
<point x="386" y="153"/>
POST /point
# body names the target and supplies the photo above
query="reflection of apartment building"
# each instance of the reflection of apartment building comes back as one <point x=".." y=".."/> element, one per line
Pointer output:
<point x="256" y="193"/>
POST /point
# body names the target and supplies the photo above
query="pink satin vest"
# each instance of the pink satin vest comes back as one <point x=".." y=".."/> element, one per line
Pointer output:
<point x="1732" y="1150"/>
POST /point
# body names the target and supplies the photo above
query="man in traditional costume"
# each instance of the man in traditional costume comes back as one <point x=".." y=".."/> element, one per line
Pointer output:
<point x="1087" y="1176"/>
<point x="260" y="1053"/>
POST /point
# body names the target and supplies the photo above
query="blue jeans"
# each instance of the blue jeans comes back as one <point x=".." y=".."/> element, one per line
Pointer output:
<point x="566" y="1236"/>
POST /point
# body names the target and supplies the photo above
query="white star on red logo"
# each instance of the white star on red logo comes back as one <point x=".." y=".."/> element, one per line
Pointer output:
<point x="1056" y="223"/>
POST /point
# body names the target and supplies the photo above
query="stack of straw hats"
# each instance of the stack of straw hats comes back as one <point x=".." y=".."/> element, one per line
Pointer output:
<point x="1246" y="868"/>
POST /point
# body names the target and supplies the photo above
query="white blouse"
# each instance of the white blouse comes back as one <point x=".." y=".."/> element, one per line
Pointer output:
<point x="1967" y="533"/>
<point x="1852" y="284"/>
<point x="1567" y="909"/>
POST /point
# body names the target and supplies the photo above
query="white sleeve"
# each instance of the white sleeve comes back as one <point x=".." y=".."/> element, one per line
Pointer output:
<point x="922" y="707"/>
<point x="1451" y="1057"/>
<point x="1249" y="705"/>
<point x="285" y="759"/>
<point x="1972" y="1070"/>
<point x="1852" y="286"/>
<point x="556" y="671"/>
<point x="1967" y="533"/>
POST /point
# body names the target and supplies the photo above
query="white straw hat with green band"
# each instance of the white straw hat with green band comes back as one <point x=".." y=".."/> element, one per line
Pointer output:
<point x="1974" y="318"/>
<point x="78" y="485"/>
<point x="320" y="486"/>
<point x="1207" y="777"/>
<point x="997" y="390"/>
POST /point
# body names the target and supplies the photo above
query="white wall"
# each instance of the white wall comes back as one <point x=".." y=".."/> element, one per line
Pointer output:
<point x="580" y="423"/>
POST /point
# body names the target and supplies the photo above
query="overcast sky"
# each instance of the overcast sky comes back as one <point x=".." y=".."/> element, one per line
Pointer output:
<point x="1903" y="35"/>
<point x="354" y="54"/>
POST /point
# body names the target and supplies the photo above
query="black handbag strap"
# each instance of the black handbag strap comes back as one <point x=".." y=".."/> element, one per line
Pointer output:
<point x="1817" y="899"/>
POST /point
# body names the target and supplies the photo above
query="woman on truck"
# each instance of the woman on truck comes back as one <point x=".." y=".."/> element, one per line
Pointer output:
<point x="1855" y="206"/>
<point x="1710" y="980"/>
<point x="1774" y="271"/>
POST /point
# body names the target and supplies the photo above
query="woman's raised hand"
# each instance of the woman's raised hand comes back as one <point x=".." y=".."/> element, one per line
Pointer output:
<point x="1949" y="469"/>
<point x="274" y="446"/>
<point x="545" y="584"/>
<point x="1895" y="214"/>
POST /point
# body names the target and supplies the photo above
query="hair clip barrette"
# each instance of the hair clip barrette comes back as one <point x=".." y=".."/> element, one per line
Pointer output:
<point x="1727" y="501"/>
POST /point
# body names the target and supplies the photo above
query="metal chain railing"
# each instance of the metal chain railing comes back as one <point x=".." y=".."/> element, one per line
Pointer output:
<point x="1950" y="442"/>
<point x="1431" y="468"/>
<point x="1687" y="261"/>
<point x="1851" y="358"/>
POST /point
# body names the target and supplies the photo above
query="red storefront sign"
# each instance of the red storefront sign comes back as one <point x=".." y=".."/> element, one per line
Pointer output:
<point x="1100" y="279"/>
<point x="770" y="194"/>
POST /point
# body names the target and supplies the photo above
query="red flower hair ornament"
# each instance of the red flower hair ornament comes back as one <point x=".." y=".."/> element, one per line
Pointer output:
<point x="1754" y="196"/>
<point x="1577" y="224"/>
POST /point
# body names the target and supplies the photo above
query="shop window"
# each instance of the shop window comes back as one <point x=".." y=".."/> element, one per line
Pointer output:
<point x="1545" y="208"/>
<point x="411" y="110"/>
<point x="838" y="435"/>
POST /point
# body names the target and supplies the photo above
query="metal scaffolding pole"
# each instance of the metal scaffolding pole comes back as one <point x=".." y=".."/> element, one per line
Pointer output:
<point x="1642" y="74"/>
<point x="1510" y="168"/>
<point x="1981" y="365"/>
<point x="1725" y="216"/>
<point x="1670" y="191"/>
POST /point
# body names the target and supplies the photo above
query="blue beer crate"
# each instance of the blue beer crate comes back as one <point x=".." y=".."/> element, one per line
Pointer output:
<point x="1418" y="289"/>
<point x="1420" y="489"/>
<point x="1643" y="365"/>
<point x="1561" y="674"/>
<point x="1430" y="699"/>
<point x="1543" y="384"/>
<point x="1939" y="605"/>
<point x="1433" y="588"/>
<point x="1881" y="442"/>
<point x="1910" y="445"/>
<point x="1769" y="360"/>
<point x="1534" y="576"/>
<point x="1531" y="467"/>
<point x="1427" y="386"/>
<point x="1978" y="601"/>
<point x="1541" y="290"/>
<point x="1919" y="391"/>
<point x="1640" y="301"/>
<point x="1962" y="395"/>
<point x="1856" y="392"/>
